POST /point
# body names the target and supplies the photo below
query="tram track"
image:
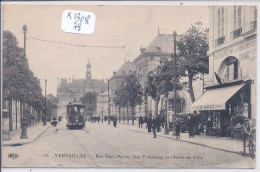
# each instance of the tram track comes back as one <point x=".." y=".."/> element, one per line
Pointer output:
<point x="114" y="147"/>
<point x="83" y="147"/>
<point x="146" y="150"/>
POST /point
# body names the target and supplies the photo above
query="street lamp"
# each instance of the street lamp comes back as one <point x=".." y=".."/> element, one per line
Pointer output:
<point x="45" y="115"/>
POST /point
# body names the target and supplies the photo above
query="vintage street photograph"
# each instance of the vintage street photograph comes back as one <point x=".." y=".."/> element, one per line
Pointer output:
<point x="128" y="86"/>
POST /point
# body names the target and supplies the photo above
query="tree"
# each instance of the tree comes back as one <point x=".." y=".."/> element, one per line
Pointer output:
<point x="161" y="81"/>
<point x="90" y="100"/>
<point x="19" y="82"/>
<point x="193" y="58"/>
<point x="134" y="92"/>
<point x="52" y="105"/>
<point x="120" y="98"/>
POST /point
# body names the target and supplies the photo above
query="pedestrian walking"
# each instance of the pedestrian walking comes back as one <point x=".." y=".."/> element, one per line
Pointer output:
<point x="141" y="120"/>
<point x="115" y="121"/>
<point x="149" y="123"/>
<point x="190" y="126"/>
<point x="177" y="129"/>
<point x="154" y="126"/>
<point x="158" y="123"/>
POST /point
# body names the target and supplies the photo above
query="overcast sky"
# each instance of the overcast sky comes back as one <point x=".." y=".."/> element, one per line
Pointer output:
<point x="130" y="25"/>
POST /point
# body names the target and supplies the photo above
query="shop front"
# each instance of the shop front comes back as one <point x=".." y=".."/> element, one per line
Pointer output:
<point x="223" y="108"/>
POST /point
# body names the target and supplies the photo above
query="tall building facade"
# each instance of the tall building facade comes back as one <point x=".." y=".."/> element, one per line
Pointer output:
<point x="232" y="65"/>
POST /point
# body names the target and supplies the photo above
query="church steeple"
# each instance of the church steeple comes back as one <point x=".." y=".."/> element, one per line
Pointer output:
<point x="88" y="73"/>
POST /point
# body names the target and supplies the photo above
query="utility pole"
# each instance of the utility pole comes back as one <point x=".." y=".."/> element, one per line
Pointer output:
<point x="24" y="120"/>
<point x="24" y="32"/>
<point x="108" y="101"/>
<point x="175" y="76"/>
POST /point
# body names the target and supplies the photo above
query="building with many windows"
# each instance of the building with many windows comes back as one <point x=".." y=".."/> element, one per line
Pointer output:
<point x="232" y="67"/>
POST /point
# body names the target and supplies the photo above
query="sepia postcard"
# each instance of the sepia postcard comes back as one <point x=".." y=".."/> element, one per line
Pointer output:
<point x="139" y="85"/>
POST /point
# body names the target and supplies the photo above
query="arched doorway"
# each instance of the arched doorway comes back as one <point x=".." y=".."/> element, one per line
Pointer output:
<point x="229" y="69"/>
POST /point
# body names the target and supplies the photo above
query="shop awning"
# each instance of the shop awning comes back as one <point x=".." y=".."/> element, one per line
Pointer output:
<point x="215" y="99"/>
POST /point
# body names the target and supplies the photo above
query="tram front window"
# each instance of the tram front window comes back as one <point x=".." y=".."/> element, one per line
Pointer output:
<point x="81" y="110"/>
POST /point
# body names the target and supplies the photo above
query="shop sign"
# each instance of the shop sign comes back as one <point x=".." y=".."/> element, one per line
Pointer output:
<point x="209" y="107"/>
<point x="232" y="50"/>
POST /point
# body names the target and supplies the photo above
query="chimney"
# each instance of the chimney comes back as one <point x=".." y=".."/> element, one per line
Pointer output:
<point x="142" y="49"/>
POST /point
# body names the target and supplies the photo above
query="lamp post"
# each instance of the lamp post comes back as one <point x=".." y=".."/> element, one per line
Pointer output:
<point x="175" y="76"/>
<point x="24" y="120"/>
<point x="45" y="115"/>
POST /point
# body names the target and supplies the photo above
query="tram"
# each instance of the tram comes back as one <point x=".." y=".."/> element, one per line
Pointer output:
<point x="75" y="116"/>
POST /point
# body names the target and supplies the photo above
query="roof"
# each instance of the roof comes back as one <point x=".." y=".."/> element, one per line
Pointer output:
<point x="63" y="83"/>
<point x="78" y="86"/>
<point x="98" y="83"/>
<point x="161" y="44"/>
<point x="127" y="67"/>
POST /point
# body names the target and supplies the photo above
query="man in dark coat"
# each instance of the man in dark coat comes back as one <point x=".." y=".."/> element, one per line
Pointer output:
<point x="149" y="123"/>
<point x="177" y="128"/>
<point x="141" y="120"/>
<point x="190" y="125"/>
<point x="115" y="121"/>
<point x="158" y="123"/>
<point x="154" y="126"/>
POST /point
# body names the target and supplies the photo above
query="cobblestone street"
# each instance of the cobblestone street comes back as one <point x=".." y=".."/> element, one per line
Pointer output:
<point x="101" y="145"/>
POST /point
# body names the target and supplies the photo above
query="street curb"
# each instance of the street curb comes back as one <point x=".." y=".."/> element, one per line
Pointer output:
<point x="27" y="142"/>
<point x="199" y="144"/>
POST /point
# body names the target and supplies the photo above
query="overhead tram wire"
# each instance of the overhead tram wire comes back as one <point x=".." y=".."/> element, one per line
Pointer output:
<point x="76" y="45"/>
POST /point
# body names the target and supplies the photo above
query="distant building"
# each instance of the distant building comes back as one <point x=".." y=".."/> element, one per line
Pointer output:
<point x="114" y="82"/>
<point x="73" y="90"/>
<point x="150" y="57"/>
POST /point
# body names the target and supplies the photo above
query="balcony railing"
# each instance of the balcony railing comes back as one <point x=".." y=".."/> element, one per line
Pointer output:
<point x="235" y="34"/>
<point x="220" y="40"/>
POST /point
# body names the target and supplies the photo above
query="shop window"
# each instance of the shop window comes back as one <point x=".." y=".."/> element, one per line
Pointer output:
<point x="216" y="119"/>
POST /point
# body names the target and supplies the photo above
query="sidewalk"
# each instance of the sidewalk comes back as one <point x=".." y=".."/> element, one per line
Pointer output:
<point x="33" y="132"/>
<point x="219" y="143"/>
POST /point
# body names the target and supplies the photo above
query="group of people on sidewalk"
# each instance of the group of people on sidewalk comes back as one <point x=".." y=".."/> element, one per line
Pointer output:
<point x="112" y="118"/>
<point x="154" y="124"/>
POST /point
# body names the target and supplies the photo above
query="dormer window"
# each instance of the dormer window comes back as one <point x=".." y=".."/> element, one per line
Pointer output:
<point x="158" y="48"/>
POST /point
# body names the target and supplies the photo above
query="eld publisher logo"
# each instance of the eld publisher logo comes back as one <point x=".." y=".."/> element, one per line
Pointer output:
<point x="13" y="155"/>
